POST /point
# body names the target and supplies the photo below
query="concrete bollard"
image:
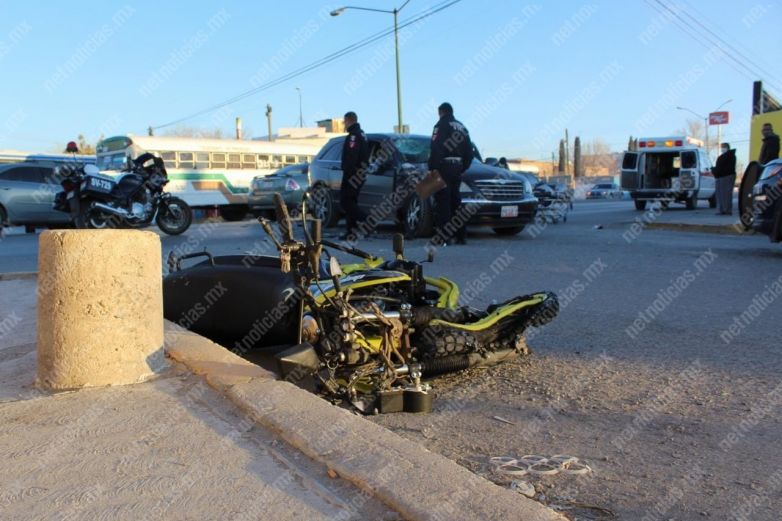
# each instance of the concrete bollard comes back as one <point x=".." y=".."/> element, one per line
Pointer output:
<point x="100" y="308"/>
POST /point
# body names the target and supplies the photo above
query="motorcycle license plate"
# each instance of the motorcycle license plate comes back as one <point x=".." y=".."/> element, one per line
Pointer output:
<point x="100" y="185"/>
<point x="509" y="211"/>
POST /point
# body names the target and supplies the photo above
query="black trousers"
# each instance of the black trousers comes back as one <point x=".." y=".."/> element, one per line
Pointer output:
<point x="348" y="199"/>
<point x="448" y="200"/>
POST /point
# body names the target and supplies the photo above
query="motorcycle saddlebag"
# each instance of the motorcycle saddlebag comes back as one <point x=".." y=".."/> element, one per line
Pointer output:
<point x="97" y="187"/>
<point x="241" y="302"/>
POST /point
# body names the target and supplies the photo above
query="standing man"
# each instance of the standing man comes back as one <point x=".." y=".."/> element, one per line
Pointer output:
<point x="355" y="156"/>
<point x="451" y="155"/>
<point x="770" y="148"/>
<point x="725" y="177"/>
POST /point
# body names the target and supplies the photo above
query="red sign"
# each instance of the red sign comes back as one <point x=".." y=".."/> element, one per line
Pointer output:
<point x="719" y="118"/>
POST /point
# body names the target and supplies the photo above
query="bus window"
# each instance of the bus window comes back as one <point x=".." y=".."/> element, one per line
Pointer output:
<point x="186" y="160"/>
<point x="263" y="160"/>
<point x="169" y="159"/>
<point x="290" y="160"/>
<point x="248" y="161"/>
<point x="234" y="161"/>
<point x="202" y="160"/>
<point x="276" y="161"/>
<point x="218" y="160"/>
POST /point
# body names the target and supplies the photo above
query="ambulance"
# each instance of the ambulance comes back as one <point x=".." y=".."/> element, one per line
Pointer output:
<point x="668" y="169"/>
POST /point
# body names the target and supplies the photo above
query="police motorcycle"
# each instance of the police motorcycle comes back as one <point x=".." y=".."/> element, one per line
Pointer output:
<point x="135" y="199"/>
<point x="367" y="333"/>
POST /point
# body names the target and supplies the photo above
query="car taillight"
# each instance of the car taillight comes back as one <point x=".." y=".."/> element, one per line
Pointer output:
<point x="292" y="185"/>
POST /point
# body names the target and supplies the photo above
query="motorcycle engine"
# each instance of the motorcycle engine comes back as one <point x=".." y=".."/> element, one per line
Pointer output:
<point x="141" y="207"/>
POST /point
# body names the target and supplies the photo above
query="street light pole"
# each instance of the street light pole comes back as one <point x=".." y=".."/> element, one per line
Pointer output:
<point x="719" y="126"/>
<point x="706" y="122"/>
<point x="398" y="80"/>
<point x="395" y="12"/>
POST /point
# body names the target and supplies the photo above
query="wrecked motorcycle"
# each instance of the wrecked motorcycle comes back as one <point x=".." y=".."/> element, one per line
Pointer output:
<point x="368" y="332"/>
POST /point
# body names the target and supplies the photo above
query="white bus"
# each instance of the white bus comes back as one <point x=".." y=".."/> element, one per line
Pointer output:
<point x="207" y="173"/>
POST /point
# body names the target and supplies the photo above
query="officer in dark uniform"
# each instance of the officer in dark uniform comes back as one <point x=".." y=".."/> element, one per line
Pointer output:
<point x="451" y="155"/>
<point x="355" y="156"/>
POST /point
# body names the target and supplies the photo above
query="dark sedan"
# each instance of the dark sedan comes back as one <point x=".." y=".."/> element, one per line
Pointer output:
<point x="496" y="197"/>
<point x="767" y="201"/>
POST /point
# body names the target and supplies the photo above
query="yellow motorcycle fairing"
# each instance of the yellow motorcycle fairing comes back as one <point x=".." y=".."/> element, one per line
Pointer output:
<point x="495" y="316"/>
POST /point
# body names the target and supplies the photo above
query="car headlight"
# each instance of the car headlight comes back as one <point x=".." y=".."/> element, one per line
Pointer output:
<point x="464" y="188"/>
<point x="527" y="187"/>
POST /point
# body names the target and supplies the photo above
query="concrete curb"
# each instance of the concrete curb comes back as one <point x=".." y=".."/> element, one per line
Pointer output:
<point x="724" y="229"/>
<point x="417" y="483"/>
<point x="19" y="275"/>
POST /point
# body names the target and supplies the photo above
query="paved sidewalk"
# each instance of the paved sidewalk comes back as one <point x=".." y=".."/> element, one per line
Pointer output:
<point x="171" y="448"/>
<point x="702" y="219"/>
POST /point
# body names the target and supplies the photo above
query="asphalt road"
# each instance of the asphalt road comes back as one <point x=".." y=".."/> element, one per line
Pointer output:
<point x="19" y="251"/>
<point x="641" y="374"/>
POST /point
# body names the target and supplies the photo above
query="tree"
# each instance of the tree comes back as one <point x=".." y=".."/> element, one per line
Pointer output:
<point x="577" y="166"/>
<point x="561" y="167"/>
<point x="596" y="154"/>
<point x="84" y="146"/>
<point x="696" y="129"/>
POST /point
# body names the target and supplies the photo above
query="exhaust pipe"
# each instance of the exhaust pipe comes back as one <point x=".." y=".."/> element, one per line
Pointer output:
<point x="112" y="210"/>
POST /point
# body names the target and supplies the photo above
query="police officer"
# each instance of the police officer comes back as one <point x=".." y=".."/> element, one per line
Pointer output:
<point x="451" y="155"/>
<point x="355" y="156"/>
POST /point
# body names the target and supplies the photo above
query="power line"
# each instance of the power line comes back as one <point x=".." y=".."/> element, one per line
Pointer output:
<point x="316" y="64"/>
<point x="699" y="36"/>
<point x="732" y="47"/>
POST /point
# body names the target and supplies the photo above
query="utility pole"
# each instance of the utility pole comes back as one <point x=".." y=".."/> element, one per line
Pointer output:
<point x="301" y="117"/>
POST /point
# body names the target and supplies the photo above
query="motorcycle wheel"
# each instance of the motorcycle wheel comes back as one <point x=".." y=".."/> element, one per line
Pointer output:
<point x="174" y="216"/>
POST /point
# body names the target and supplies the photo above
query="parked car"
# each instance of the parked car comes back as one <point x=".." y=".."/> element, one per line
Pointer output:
<point x="604" y="191"/>
<point x="504" y="200"/>
<point x="291" y="182"/>
<point x="27" y="193"/>
<point x="766" y="199"/>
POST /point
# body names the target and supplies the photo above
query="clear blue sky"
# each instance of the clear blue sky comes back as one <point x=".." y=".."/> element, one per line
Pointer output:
<point x="517" y="73"/>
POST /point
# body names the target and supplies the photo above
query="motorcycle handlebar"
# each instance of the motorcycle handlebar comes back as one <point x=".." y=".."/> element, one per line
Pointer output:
<point x="283" y="218"/>
<point x="347" y="249"/>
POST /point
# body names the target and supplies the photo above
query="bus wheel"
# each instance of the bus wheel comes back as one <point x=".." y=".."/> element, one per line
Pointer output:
<point x="233" y="212"/>
<point x="640" y="205"/>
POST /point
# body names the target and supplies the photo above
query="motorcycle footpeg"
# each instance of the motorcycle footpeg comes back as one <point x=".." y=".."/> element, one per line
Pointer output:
<point x="297" y="361"/>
